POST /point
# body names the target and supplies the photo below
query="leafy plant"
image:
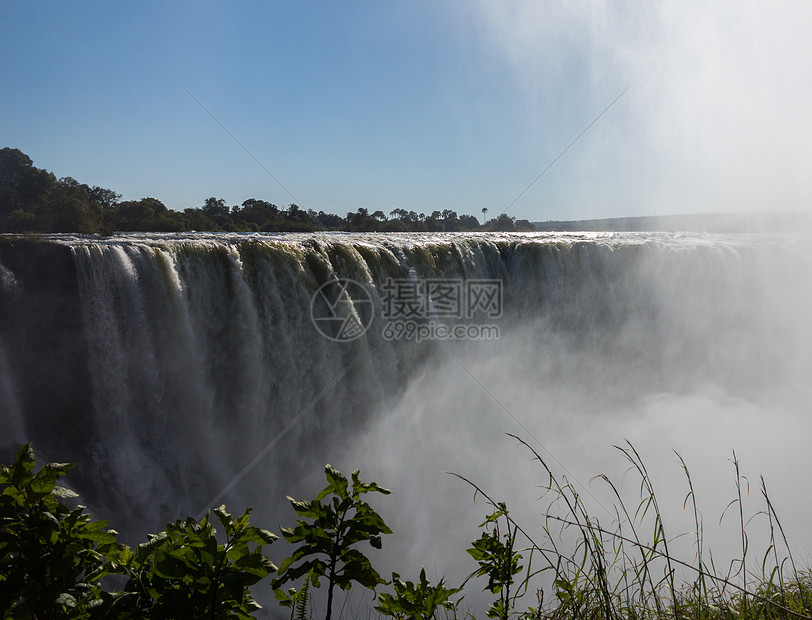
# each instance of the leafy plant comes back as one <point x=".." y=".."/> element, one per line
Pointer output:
<point x="329" y="532"/>
<point x="298" y="601"/>
<point x="419" y="600"/>
<point x="494" y="551"/>
<point x="184" y="572"/>
<point x="52" y="557"/>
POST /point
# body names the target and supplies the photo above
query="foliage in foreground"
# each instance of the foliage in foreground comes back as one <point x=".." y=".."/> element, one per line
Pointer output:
<point x="54" y="559"/>
<point x="184" y="572"/>
<point x="329" y="533"/>
<point x="51" y="557"/>
<point x="56" y="562"/>
<point x="417" y="600"/>
<point x="498" y="560"/>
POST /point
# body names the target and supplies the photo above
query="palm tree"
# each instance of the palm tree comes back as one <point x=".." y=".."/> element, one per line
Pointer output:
<point x="484" y="211"/>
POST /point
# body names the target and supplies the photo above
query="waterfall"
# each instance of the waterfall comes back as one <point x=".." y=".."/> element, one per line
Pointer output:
<point x="14" y="430"/>
<point x="174" y="367"/>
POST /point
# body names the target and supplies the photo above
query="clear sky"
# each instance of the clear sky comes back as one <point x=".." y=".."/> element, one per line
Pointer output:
<point x="423" y="105"/>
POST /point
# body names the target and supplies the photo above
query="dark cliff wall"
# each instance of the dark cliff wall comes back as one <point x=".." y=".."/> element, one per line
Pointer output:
<point x="43" y="335"/>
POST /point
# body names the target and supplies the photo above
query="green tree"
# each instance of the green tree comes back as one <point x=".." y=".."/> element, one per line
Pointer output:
<point x="68" y="207"/>
<point x="105" y="198"/>
<point x="297" y="219"/>
<point x="400" y="214"/>
<point x="256" y="214"/>
<point x="329" y="220"/>
<point x="329" y="532"/>
<point x="196" y="220"/>
<point x="451" y="221"/>
<point x="147" y="214"/>
<point x="362" y="220"/>
<point x="469" y="222"/>
<point x="21" y="220"/>
<point x="503" y="223"/>
<point x="395" y="226"/>
<point x="218" y="212"/>
<point x="22" y="186"/>
<point x="416" y="601"/>
<point x="184" y="572"/>
<point x="434" y="222"/>
<point x="52" y="557"/>
<point x="497" y="558"/>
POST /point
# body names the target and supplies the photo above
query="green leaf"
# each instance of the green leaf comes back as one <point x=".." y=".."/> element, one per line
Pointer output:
<point x="337" y="483"/>
<point x="258" y="535"/>
<point x="304" y="509"/>
<point x="25" y="458"/>
<point x="66" y="600"/>
<point x="23" y="464"/>
<point x="328" y="533"/>
<point x="224" y="517"/>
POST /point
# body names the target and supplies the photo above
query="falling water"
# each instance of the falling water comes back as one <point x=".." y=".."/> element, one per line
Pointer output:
<point x="181" y="358"/>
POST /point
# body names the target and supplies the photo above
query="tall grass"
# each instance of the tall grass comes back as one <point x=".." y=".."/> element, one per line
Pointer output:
<point x="629" y="569"/>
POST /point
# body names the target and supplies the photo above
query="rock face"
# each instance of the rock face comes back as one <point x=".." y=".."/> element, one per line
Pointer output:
<point x="43" y="341"/>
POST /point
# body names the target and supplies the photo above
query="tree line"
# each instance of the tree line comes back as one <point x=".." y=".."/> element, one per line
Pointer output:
<point x="35" y="200"/>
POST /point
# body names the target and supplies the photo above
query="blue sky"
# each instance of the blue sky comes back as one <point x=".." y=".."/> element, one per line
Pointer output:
<point x="422" y="105"/>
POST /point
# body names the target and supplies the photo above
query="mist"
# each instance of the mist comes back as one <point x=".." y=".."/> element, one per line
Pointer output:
<point x="445" y="423"/>
<point x="705" y="356"/>
<point x="715" y="119"/>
